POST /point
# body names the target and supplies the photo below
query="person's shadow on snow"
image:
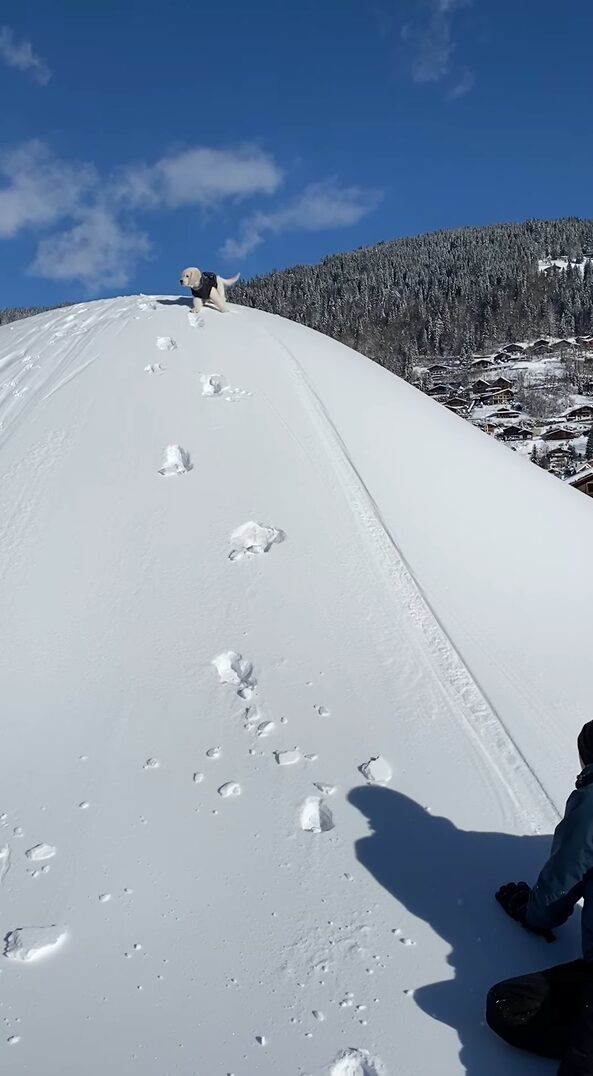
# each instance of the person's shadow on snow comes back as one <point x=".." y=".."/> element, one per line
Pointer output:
<point x="447" y="877"/>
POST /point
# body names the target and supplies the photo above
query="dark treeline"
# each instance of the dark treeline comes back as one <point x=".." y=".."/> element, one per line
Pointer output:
<point x="446" y="293"/>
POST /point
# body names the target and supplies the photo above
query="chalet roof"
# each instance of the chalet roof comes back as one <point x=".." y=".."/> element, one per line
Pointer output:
<point x="512" y="429"/>
<point x="556" y="431"/>
<point x="510" y="348"/>
<point x="505" y="412"/>
<point x="580" y="476"/>
<point x="574" y="411"/>
<point x="480" y="364"/>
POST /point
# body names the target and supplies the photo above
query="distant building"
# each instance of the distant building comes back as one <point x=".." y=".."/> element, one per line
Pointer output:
<point x="506" y="413"/>
<point x="456" y="403"/>
<point x="481" y="364"/>
<point x="560" y="433"/>
<point x="502" y="383"/>
<point x="541" y="348"/>
<point x="480" y="386"/>
<point x="438" y="390"/>
<point x="437" y="368"/>
<point x="513" y="433"/>
<point x="582" y="413"/>
<point x="496" y="396"/>
<point x="583" y="479"/>
<point x="514" y="349"/>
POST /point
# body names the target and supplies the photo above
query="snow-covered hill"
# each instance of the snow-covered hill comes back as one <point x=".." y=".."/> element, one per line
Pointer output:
<point x="282" y="704"/>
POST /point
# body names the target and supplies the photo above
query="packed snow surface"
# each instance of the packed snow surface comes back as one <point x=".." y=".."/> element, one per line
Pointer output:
<point x="188" y="732"/>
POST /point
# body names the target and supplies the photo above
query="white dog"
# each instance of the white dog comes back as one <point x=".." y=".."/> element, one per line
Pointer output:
<point x="206" y="287"/>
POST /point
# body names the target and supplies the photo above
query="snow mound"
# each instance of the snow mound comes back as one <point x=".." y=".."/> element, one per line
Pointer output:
<point x="177" y="725"/>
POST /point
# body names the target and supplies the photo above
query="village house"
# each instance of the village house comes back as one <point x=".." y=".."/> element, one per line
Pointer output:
<point x="480" y="386"/>
<point x="506" y="413"/>
<point x="582" y="413"/>
<point x="513" y="433"/>
<point x="559" y="459"/>
<point x="437" y="368"/>
<point x="541" y="348"/>
<point x="502" y="383"/>
<point x="496" y="396"/>
<point x="560" y="433"/>
<point x="514" y="349"/>
<point x="487" y="426"/>
<point x="583" y="479"/>
<point x="456" y="403"/>
<point x="481" y="364"/>
<point x="439" y="389"/>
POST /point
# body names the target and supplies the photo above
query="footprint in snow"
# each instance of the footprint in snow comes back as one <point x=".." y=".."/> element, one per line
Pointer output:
<point x="40" y="852"/>
<point x="251" y="539"/>
<point x="354" y="1062"/>
<point x="26" y="944"/>
<point x="316" y="816"/>
<point x="287" y="758"/>
<point x="230" y="788"/>
<point x="377" y="770"/>
<point x="148" y="305"/>
<point x="234" y="669"/>
<point x="177" y="461"/>
<point x="165" y="343"/>
<point x="195" y="320"/>
<point x="214" y="385"/>
<point x="154" y="368"/>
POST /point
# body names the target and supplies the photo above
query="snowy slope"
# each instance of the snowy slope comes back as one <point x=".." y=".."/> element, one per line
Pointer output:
<point x="220" y="890"/>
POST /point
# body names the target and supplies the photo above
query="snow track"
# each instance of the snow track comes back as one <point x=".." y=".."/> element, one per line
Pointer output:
<point x="282" y="770"/>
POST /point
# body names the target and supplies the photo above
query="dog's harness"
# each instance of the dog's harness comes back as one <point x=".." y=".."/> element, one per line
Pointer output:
<point x="207" y="283"/>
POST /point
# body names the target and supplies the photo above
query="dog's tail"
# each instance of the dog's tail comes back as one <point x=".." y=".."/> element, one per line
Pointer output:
<point x="233" y="280"/>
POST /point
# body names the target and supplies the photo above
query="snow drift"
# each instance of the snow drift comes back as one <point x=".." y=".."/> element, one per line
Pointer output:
<point x="280" y="724"/>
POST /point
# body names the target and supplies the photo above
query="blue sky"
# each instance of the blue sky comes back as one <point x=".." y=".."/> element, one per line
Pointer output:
<point x="141" y="137"/>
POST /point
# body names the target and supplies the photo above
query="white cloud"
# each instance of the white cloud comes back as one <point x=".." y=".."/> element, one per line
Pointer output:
<point x="199" y="176"/>
<point x="432" y="44"/>
<point x="321" y="206"/>
<point x="466" y="83"/>
<point x="39" y="188"/>
<point x="96" y="251"/>
<point x="98" y="242"/>
<point x="20" y="54"/>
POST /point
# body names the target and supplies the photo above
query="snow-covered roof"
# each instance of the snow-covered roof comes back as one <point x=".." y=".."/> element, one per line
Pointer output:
<point x="268" y="708"/>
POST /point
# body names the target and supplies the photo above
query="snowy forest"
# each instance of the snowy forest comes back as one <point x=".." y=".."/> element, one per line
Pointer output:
<point x="446" y="293"/>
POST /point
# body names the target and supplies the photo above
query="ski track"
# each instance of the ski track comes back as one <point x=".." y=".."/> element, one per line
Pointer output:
<point x="439" y="656"/>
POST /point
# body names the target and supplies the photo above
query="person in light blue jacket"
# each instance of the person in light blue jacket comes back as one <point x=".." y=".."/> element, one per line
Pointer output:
<point x="551" y="1012"/>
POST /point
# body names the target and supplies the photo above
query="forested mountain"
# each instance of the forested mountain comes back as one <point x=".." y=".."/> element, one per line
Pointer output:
<point x="445" y="293"/>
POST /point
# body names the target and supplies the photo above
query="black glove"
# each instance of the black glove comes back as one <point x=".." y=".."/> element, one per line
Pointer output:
<point x="513" y="899"/>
